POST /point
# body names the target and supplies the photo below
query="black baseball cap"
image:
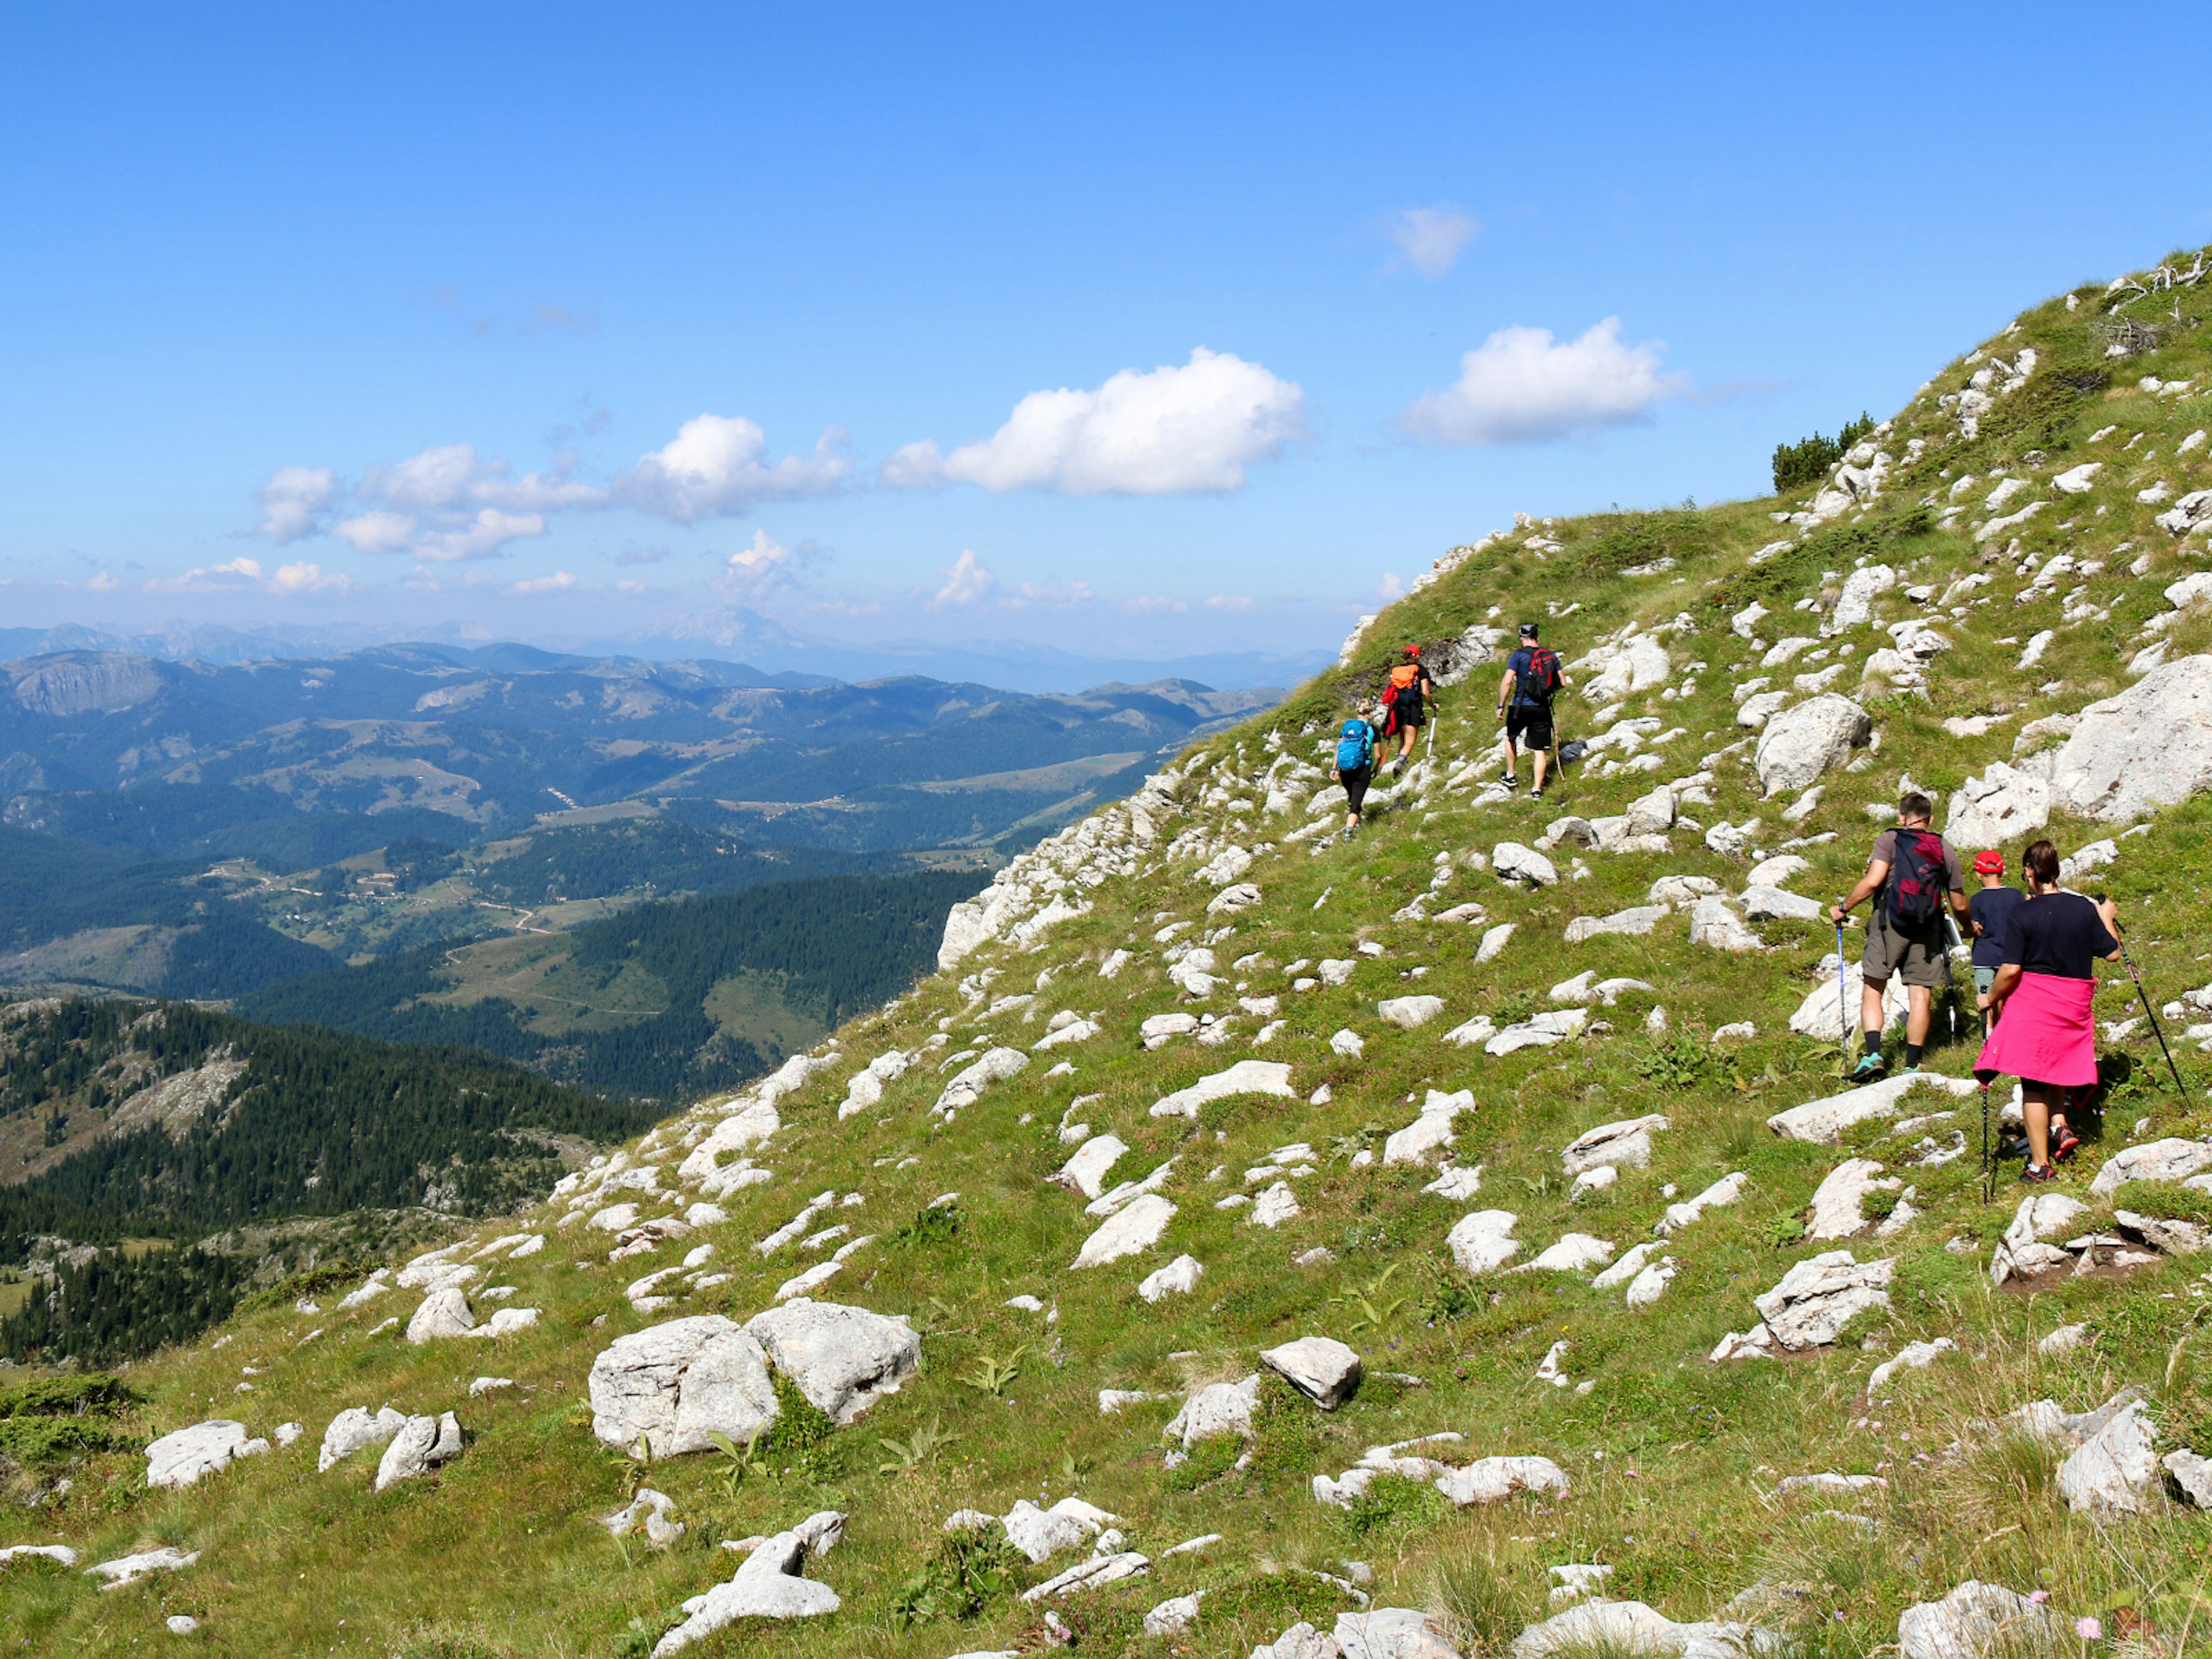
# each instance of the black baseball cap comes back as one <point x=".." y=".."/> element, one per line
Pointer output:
<point x="1527" y="630"/>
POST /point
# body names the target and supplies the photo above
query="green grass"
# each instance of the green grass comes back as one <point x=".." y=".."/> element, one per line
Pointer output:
<point x="1673" y="1462"/>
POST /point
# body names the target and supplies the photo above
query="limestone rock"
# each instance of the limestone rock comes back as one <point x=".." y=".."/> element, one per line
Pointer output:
<point x="422" y="1444"/>
<point x="1636" y="922"/>
<point x="1246" y="1077"/>
<point x="1818" y="1296"/>
<point x="1973" y="1621"/>
<point x="1575" y="1253"/>
<point x="1493" y="1480"/>
<point x="1407" y="1012"/>
<point x="1389" y="1633"/>
<point x="2114" y="1470"/>
<point x="674" y="1384"/>
<point x="843" y="1358"/>
<point x="1431" y="1131"/>
<point x="1323" y="1370"/>
<point x="181" y="1459"/>
<point x="1218" y="1408"/>
<point x="1484" y="1241"/>
<point x="1277" y="1205"/>
<point x="1086" y="1171"/>
<point x="1537" y="1031"/>
<point x="1713" y="923"/>
<point x="2003" y="804"/>
<point x="2150" y="746"/>
<point x="1825" y="1120"/>
<point x="1097" y="1573"/>
<point x="1798" y="745"/>
<point x="2193" y="1474"/>
<point x="60" y="1554"/>
<point x="995" y="1066"/>
<point x="354" y="1429"/>
<point x="1779" y="904"/>
<point x="1134" y="1228"/>
<point x="442" y="1314"/>
<point x="1524" y="865"/>
<point x="1653" y="814"/>
<point x="649" y="1508"/>
<point x="1726" y="1190"/>
<point x="1623" y="1145"/>
<point x="1648" y="1286"/>
<point x="2170" y="1159"/>
<point x="768" y="1584"/>
<point x="1913" y="1356"/>
<point x="1174" y="1615"/>
<point x="1836" y="1203"/>
<point x="1816" y="1017"/>
<point x="1041" y="1533"/>
<point x="1632" y="1628"/>
<point x="129" y="1569"/>
<point x="1178" y="1278"/>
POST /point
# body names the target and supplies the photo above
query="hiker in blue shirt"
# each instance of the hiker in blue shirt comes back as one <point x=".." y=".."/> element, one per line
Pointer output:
<point x="1524" y="702"/>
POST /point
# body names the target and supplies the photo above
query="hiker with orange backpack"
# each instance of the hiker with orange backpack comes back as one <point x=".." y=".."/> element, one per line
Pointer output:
<point x="1911" y="875"/>
<point x="1406" y="703"/>
<point x="1532" y="679"/>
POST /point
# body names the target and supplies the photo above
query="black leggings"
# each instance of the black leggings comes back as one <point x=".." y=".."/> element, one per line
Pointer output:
<point x="1355" y="786"/>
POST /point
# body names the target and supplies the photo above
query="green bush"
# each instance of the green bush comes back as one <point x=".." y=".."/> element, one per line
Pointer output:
<point x="1209" y="1460"/>
<point x="1810" y="459"/>
<point x="972" y="1568"/>
<point x="1395" y="1502"/>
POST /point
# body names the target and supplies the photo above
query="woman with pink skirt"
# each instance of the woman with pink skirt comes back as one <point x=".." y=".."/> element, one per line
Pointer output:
<point x="2048" y="1037"/>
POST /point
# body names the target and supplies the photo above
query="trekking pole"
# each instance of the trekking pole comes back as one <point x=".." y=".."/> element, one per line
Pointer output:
<point x="1989" y="1170"/>
<point x="2150" y="1012"/>
<point x="1843" y="996"/>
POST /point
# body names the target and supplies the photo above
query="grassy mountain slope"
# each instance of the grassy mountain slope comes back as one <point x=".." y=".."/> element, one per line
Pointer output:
<point x="1675" y="1460"/>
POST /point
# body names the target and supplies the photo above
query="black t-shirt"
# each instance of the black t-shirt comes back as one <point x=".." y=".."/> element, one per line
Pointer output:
<point x="1991" y="909"/>
<point x="2060" y="934"/>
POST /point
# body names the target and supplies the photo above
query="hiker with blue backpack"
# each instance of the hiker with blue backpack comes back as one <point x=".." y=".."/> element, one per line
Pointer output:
<point x="1911" y="875"/>
<point x="1354" y="767"/>
<point x="1532" y="679"/>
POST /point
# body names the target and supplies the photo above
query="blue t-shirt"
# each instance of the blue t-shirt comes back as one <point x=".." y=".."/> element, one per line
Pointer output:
<point x="1992" y="908"/>
<point x="1518" y="665"/>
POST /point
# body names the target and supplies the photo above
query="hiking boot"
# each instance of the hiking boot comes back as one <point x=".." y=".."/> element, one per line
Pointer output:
<point x="2063" y="1140"/>
<point x="1871" y="1068"/>
<point x="2034" y="1175"/>
<point x="1510" y="780"/>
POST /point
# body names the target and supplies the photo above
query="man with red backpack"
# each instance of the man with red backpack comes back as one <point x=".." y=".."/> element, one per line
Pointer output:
<point x="1911" y="875"/>
<point x="1406" y="700"/>
<point x="1524" y="703"/>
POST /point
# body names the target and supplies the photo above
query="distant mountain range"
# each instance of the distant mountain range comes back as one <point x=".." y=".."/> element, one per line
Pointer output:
<point x="774" y="655"/>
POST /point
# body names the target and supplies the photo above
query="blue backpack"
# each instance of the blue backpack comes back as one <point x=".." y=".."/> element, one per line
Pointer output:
<point x="1355" y="745"/>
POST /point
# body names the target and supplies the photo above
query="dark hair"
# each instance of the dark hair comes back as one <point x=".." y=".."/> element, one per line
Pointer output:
<point x="1527" y="630"/>
<point x="1916" y="806"/>
<point x="2040" y="861"/>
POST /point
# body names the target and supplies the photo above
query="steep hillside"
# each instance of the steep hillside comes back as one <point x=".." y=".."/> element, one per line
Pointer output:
<point x="1523" y="1118"/>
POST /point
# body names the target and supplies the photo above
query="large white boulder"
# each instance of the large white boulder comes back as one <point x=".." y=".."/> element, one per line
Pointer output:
<point x="2115" y="1470"/>
<point x="1625" y="1145"/>
<point x="1129" y="1231"/>
<point x="1817" y="1016"/>
<point x="1216" y="1409"/>
<point x="1493" y="1480"/>
<point x="768" y="1584"/>
<point x="1838" y="1201"/>
<point x="1632" y="1627"/>
<point x="1823" y="1122"/>
<point x="1087" y="1170"/>
<point x="354" y="1429"/>
<point x="1818" y="1296"/>
<point x="1511" y="861"/>
<point x="422" y="1444"/>
<point x="2169" y="1159"/>
<point x="843" y="1358"/>
<point x="994" y="1065"/>
<point x="1407" y="1012"/>
<point x="442" y="1314"/>
<point x="2003" y="804"/>
<point x="182" y="1458"/>
<point x="1246" y="1077"/>
<point x="1974" y="1622"/>
<point x="1483" y="1242"/>
<point x="2150" y="746"/>
<point x="1715" y="924"/>
<point x="1321" y="1368"/>
<point x="1854" y="604"/>
<point x="1798" y="745"/>
<point x="1178" y="1278"/>
<point x="676" y="1384"/>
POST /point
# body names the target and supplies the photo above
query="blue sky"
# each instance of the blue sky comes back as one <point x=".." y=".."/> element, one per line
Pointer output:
<point x="268" y="270"/>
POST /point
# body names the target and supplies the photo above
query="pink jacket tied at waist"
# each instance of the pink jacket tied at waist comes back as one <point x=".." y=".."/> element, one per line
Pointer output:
<point x="2048" y="1033"/>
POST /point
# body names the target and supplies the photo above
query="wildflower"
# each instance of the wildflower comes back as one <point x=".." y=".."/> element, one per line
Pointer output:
<point x="2038" y="1596"/>
<point x="2088" y="1630"/>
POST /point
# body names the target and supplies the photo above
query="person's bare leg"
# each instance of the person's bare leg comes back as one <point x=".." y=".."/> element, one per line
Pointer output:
<point x="1511" y="770"/>
<point x="1537" y="759"/>
<point x="2035" y="1107"/>
<point x="1871" y="1018"/>
<point x="1919" y="1007"/>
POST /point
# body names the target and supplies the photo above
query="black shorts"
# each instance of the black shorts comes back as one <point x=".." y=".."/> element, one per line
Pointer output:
<point x="1414" y="716"/>
<point x="1529" y="727"/>
<point x="1355" y="786"/>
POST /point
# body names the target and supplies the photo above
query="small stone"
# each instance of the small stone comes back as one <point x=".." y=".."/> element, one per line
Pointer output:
<point x="1323" y="1370"/>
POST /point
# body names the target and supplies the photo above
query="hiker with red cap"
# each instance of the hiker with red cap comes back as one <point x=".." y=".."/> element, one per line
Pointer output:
<point x="2046" y="983"/>
<point x="1990" y="908"/>
<point x="1912" y="873"/>
<point x="1406" y="703"/>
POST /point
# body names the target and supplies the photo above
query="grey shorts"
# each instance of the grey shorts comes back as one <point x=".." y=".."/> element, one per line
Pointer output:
<point x="1918" y="958"/>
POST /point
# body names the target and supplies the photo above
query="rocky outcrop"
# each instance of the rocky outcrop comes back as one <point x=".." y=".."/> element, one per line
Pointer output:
<point x="2150" y="746"/>
<point x="354" y="1429"/>
<point x="1321" y="1368"/>
<point x="423" y="1445"/>
<point x="1798" y="745"/>
<point x="670" y="1388"/>
<point x="843" y="1358"/>
<point x="769" y="1583"/>
<point x="181" y="1459"/>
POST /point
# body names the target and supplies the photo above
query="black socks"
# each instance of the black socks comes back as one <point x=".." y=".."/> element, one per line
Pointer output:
<point x="1912" y="1051"/>
<point x="1873" y="1040"/>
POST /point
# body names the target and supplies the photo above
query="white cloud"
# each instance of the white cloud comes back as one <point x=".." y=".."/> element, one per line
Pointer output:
<point x="1230" y="602"/>
<point x="477" y="536"/>
<point x="559" y="583"/>
<point x="966" y="582"/>
<point x="293" y="499"/>
<point x="377" y="532"/>
<point x="450" y="478"/>
<point x="1521" y="387"/>
<point x="103" y="583"/>
<point x="1040" y="596"/>
<point x="1431" y="238"/>
<point x="1176" y="430"/>
<point x="241" y="574"/>
<point x="753" y="575"/>
<point x="716" y="466"/>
